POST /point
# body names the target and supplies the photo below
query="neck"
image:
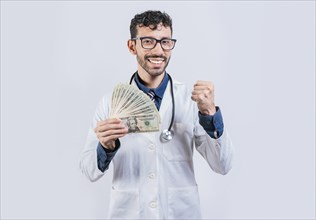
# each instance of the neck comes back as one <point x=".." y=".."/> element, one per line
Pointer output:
<point x="150" y="81"/>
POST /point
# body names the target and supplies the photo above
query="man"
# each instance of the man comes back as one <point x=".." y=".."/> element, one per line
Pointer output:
<point x="152" y="178"/>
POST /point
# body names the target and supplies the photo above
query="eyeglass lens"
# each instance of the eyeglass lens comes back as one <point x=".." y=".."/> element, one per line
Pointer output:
<point x="150" y="43"/>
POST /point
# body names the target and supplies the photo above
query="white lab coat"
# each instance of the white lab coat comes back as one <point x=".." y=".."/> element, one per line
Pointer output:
<point x="155" y="180"/>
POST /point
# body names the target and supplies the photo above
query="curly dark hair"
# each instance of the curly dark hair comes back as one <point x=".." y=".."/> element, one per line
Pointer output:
<point x="150" y="19"/>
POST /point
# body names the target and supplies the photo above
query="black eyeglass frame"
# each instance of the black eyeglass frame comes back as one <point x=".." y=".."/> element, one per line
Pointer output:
<point x="157" y="41"/>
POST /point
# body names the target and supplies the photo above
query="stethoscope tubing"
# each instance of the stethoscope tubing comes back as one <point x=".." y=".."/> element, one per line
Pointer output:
<point x="173" y="104"/>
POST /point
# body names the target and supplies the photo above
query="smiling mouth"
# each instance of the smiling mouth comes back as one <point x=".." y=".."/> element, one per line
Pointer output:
<point x="156" y="60"/>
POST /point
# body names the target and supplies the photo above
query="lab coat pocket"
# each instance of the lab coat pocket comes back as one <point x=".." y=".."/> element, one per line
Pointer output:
<point x="124" y="204"/>
<point x="184" y="203"/>
<point x="180" y="147"/>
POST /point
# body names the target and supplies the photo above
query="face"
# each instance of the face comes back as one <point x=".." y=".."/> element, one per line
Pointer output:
<point x="132" y="124"/>
<point x="151" y="61"/>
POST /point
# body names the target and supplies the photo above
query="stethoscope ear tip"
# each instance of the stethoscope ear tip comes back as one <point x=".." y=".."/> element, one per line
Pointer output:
<point x="166" y="135"/>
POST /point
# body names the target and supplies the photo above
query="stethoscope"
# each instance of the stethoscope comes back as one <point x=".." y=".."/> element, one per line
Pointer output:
<point x="167" y="134"/>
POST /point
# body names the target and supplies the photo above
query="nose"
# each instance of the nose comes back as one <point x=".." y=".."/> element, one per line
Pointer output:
<point x="158" y="48"/>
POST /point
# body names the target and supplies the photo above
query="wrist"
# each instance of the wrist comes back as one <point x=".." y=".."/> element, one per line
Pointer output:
<point x="208" y="111"/>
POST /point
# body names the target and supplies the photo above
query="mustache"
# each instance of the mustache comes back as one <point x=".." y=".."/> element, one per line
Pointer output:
<point x="147" y="57"/>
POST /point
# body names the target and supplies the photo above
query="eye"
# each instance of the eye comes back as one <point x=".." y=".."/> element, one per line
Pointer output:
<point x="148" y="41"/>
<point x="166" y="42"/>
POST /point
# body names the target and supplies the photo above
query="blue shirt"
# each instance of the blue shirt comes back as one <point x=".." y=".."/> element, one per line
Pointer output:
<point x="212" y="124"/>
<point x="159" y="91"/>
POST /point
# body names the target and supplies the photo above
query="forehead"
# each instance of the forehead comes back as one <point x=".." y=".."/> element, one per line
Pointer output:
<point x="160" y="32"/>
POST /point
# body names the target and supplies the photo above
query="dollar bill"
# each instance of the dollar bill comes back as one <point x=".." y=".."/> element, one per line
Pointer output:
<point x="134" y="108"/>
<point x="141" y="123"/>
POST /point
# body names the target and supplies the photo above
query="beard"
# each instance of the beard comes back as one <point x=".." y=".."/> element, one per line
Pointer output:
<point x="152" y="71"/>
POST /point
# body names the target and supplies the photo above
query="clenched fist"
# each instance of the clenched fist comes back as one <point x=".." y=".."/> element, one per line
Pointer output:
<point x="203" y="95"/>
<point x="109" y="130"/>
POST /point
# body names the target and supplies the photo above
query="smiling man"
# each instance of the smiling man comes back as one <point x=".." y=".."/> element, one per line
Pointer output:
<point x="153" y="175"/>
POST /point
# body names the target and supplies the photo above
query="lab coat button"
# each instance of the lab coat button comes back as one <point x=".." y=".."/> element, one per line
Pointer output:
<point x="152" y="175"/>
<point x="153" y="205"/>
<point x="152" y="147"/>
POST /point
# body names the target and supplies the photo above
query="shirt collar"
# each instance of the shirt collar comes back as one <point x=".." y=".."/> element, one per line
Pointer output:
<point x="159" y="91"/>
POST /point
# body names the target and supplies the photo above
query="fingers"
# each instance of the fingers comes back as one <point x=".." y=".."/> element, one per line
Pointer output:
<point x="109" y="141"/>
<point x="109" y="130"/>
<point x="203" y="95"/>
<point x="199" y="97"/>
<point x="202" y="82"/>
<point x="112" y="133"/>
<point x="202" y="90"/>
<point x="109" y="124"/>
<point x="109" y="121"/>
<point x="203" y="85"/>
<point x="110" y="127"/>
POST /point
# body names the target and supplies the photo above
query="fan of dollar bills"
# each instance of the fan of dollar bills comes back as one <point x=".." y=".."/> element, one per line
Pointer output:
<point x="134" y="108"/>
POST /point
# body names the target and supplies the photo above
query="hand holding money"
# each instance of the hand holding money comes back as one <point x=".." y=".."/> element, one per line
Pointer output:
<point x="109" y="130"/>
<point x="134" y="108"/>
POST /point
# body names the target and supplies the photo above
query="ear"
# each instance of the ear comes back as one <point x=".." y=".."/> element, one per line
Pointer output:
<point x="131" y="46"/>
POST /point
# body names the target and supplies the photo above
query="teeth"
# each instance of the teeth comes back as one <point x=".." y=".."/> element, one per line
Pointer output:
<point x="155" y="61"/>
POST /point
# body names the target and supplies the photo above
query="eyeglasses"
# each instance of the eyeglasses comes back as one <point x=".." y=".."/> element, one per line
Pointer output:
<point x="150" y="42"/>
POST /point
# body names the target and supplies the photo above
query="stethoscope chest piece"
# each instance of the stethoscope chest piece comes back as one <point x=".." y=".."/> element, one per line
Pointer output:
<point x="166" y="135"/>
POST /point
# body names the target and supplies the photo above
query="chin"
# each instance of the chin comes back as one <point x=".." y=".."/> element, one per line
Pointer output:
<point x="157" y="72"/>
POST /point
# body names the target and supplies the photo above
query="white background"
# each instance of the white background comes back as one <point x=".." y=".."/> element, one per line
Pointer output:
<point x="58" y="58"/>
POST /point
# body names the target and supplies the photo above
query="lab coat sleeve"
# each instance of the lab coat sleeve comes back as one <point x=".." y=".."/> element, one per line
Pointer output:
<point x="217" y="152"/>
<point x="89" y="160"/>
